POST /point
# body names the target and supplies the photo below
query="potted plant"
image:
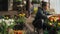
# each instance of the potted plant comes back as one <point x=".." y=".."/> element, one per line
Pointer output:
<point x="4" y="26"/>
<point x="53" y="24"/>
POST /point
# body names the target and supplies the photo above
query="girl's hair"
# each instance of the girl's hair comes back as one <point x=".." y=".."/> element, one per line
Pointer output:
<point x="43" y="4"/>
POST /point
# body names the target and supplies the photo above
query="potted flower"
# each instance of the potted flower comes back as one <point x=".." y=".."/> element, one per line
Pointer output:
<point x="5" y="25"/>
<point x="53" y="24"/>
<point x="20" y="21"/>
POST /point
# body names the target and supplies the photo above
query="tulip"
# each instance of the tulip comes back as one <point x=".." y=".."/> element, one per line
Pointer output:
<point x="59" y="18"/>
<point x="55" y="19"/>
<point x="59" y="24"/>
<point x="51" y="18"/>
<point x="50" y="23"/>
<point x="21" y="14"/>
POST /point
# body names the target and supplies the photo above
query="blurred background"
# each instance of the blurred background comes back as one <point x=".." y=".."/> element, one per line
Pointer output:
<point x="13" y="8"/>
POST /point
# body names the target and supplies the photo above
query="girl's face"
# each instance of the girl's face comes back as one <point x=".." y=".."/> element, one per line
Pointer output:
<point x="45" y="7"/>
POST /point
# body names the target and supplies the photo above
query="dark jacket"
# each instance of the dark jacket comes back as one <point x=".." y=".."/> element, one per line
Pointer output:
<point x="37" y="23"/>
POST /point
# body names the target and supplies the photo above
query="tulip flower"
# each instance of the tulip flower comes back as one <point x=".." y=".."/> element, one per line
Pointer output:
<point x="59" y="24"/>
<point x="51" y="18"/>
<point x="59" y="18"/>
<point x="22" y="15"/>
<point x="50" y="23"/>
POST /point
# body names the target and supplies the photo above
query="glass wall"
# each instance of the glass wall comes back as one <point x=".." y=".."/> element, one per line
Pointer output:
<point x="55" y="4"/>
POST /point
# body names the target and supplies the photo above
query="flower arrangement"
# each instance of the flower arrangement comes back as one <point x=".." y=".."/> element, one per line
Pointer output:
<point x="5" y="24"/>
<point x="20" y="22"/>
<point x="54" y="21"/>
<point x="21" y="18"/>
<point x="53" y="24"/>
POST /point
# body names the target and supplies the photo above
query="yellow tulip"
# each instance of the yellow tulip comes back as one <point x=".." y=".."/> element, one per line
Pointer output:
<point x="21" y="14"/>
<point x="55" y="18"/>
<point x="59" y="24"/>
<point x="7" y="17"/>
<point x="52" y="17"/>
<point x="50" y="23"/>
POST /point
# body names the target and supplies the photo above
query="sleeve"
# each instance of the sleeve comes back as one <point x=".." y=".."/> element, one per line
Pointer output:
<point x="40" y="14"/>
<point x="47" y="13"/>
